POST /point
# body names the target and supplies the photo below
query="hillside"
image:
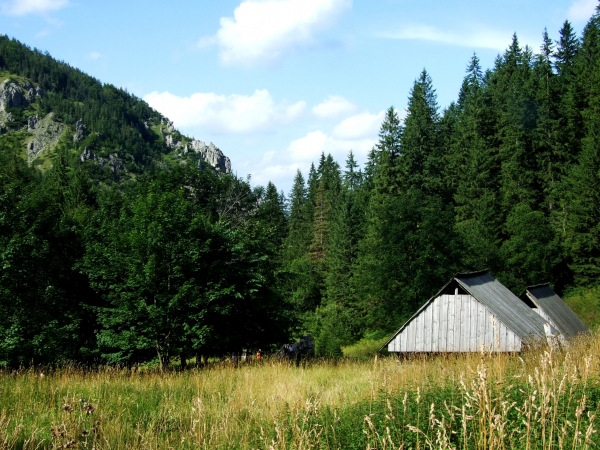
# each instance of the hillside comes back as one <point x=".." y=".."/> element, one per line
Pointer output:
<point x="46" y="102"/>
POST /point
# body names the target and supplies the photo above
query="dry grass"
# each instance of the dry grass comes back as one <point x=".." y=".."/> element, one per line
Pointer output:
<point x="540" y="399"/>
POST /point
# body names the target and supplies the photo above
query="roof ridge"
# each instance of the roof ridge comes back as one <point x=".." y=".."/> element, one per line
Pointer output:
<point x="537" y="285"/>
<point x="475" y="272"/>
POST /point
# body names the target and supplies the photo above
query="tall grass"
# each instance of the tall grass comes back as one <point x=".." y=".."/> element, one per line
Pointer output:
<point x="542" y="399"/>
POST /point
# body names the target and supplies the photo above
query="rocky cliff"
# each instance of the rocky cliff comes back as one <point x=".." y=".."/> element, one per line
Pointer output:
<point x="18" y="95"/>
<point x="210" y="153"/>
<point x="19" y="112"/>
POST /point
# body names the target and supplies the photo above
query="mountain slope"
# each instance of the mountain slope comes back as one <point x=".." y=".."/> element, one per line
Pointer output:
<point x="51" y="103"/>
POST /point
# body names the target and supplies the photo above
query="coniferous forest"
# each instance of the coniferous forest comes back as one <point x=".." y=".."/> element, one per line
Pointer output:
<point x="168" y="258"/>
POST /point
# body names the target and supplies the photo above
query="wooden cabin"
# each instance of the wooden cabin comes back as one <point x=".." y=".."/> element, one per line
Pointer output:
<point x="471" y="313"/>
<point x="544" y="301"/>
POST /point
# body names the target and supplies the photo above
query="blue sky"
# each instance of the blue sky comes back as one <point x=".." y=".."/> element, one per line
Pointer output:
<point x="274" y="83"/>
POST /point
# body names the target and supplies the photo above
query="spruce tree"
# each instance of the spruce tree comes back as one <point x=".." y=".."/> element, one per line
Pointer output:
<point x="550" y="157"/>
<point x="513" y="101"/>
<point x="583" y="186"/>
<point x="299" y="228"/>
<point x="422" y="158"/>
<point x="566" y="50"/>
<point x="474" y="165"/>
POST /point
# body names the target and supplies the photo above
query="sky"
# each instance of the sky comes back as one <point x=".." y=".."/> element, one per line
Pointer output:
<point x="274" y="83"/>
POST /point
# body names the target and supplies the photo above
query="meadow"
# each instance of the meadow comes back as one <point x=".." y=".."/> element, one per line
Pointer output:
<point x="540" y="399"/>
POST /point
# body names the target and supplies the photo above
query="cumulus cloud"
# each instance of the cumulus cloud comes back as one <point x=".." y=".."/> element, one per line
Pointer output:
<point x="363" y="125"/>
<point x="218" y="114"/>
<point x="262" y="31"/>
<point x="23" y="7"/>
<point x="582" y="10"/>
<point x="333" y="107"/>
<point x="358" y="133"/>
<point x="310" y="147"/>
<point x="479" y="38"/>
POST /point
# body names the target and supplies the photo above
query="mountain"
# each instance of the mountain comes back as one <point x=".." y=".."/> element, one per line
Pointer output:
<point x="46" y="103"/>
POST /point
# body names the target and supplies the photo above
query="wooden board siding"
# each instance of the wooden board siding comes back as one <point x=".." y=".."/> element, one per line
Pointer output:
<point x="545" y="316"/>
<point x="455" y="323"/>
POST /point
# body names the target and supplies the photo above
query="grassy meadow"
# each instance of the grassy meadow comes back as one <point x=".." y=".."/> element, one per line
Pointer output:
<point x="541" y="399"/>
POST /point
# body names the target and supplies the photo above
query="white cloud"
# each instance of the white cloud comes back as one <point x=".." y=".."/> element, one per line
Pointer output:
<point x="582" y="10"/>
<point x="23" y="7"/>
<point x="262" y="31"/>
<point x="363" y="125"/>
<point x="478" y="38"/>
<point x="280" y="167"/>
<point x="310" y="147"/>
<point x="237" y="114"/>
<point x="93" y="55"/>
<point x="333" y="107"/>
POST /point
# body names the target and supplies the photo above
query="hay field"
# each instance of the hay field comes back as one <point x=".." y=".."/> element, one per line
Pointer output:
<point x="541" y="399"/>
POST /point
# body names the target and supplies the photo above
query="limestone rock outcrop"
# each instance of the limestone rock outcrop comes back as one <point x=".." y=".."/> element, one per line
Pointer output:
<point x="212" y="155"/>
<point x="17" y="95"/>
<point x="32" y="123"/>
<point x="45" y="134"/>
<point x="80" y="130"/>
<point x="113" y="162"/>
<point x="168" y="123"/>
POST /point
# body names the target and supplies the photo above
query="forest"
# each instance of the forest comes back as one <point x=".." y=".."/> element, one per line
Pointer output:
<point x="168" y="259"/>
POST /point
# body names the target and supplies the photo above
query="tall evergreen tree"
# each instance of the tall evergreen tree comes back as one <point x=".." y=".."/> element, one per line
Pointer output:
<point x="583" y="186"/>
<point x="422" y="158"/>
<point x="382" y="170"/>
<point x="566" y="50"/>
<point x="299" y="232"/>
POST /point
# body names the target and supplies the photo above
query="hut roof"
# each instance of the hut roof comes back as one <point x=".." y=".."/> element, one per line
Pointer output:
<point x="544" y="297"/>
<point x="500" y="301"/>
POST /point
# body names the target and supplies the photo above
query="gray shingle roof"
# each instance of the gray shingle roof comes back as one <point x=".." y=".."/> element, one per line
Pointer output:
<point x="559" y="312"/>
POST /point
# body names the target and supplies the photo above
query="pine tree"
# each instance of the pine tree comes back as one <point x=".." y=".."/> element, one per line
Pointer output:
<point x="474" y="164"/>
<point x="566" y="50"/>
<point x="513" y="101"/>
<point x="422" y="158"/>
<point x="321" y="225"/>
<point x="347" y="228"/>
<point x="551" y="160"/>
<point x="581" y="226"/>
<point x="298" y="238"/>
<point x="273" y="218"/>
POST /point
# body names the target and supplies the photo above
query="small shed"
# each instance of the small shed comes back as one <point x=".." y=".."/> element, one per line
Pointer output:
<point x="544" y="301"/>
<point x="471" y="313"/>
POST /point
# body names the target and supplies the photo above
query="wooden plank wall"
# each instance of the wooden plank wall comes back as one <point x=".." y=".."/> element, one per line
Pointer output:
<point x="455" y="323"/>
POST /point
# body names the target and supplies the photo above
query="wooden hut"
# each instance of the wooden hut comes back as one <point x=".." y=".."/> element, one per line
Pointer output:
<point x="471" y="313"/>
<point x="544" y="301"/>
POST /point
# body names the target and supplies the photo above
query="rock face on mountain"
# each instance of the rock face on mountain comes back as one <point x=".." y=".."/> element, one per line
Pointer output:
<point x="212" y="155"/>
<point x="17" y="95"/>
<point x="113" y="162"/>
<point x="45" y="134"/>
<point x="80" y="131"/>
